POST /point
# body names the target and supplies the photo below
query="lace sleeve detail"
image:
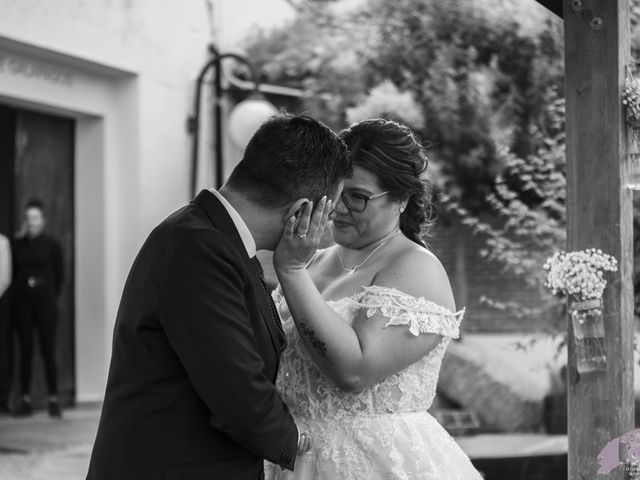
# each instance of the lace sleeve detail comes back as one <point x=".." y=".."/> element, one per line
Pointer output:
<point x="421" y="315"/>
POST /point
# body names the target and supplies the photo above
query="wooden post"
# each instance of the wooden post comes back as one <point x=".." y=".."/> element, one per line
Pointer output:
<point x="599" y="211"/>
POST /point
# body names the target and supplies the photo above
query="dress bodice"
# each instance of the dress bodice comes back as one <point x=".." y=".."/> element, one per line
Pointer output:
<point x="310" y="394"/>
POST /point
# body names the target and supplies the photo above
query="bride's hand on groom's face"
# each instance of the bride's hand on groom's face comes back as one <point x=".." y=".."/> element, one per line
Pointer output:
<point x="301" y="237"/>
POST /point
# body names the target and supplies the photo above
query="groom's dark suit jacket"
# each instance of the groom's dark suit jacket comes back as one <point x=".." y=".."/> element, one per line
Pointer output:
<point x="190" y="393"/>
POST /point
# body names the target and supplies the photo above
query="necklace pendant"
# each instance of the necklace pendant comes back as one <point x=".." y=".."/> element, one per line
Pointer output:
<point x="351" y="271"/>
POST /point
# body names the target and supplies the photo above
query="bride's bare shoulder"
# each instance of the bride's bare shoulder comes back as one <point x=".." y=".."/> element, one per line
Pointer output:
<point x="411" y="257"/>
<point x="417" y="271"/>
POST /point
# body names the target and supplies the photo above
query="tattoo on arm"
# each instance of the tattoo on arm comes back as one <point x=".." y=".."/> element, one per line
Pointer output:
<point x="315" y="342"/>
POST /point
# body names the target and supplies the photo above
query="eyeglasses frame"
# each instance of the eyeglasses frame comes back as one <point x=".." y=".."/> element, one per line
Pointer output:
<point x="366" y="200"/>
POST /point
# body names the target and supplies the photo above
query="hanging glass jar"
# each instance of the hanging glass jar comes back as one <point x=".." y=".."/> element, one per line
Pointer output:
<point x="588" y="329"/>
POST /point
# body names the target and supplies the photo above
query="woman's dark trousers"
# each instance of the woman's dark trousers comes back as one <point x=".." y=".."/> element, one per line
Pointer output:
<point x="36" y="309"/>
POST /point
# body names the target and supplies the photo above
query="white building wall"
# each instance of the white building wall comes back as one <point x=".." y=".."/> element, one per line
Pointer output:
<point x="125" y="70"/>
<point x="162" y="42"/>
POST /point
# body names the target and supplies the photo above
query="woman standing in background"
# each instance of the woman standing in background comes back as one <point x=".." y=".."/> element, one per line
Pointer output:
<point x="37" y="277"/>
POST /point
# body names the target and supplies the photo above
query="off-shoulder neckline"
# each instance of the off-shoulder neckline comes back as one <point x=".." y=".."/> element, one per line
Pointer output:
<point x="380" y="289"/>
<point x="392" y="291"/>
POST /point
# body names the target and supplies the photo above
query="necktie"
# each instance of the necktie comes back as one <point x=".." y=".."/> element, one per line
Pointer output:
<point x="275" y="318"/>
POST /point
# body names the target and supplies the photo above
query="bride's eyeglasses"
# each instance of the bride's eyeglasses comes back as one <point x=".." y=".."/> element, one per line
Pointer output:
<point x="357" y="202"/>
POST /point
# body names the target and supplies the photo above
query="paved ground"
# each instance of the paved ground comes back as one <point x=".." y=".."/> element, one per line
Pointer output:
<point x="41" y="448"/>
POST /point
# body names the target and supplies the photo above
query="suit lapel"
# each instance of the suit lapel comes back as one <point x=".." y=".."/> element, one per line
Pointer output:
<point x="220" y="219"/>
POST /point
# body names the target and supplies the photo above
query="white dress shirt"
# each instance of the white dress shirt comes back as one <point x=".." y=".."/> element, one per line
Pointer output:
<point x="5" y="264"/>
<point x="243" y="230"/>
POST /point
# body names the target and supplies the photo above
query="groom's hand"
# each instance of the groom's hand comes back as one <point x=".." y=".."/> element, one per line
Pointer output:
<point x="305" y="442"/>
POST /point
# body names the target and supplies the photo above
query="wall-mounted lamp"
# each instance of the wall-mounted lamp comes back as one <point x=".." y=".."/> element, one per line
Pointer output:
<point x="244" y="120"/>
<point x="246" y="117"/>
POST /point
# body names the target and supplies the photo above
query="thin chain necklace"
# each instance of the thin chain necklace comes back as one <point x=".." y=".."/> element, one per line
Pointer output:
<point x="351" y="271"/>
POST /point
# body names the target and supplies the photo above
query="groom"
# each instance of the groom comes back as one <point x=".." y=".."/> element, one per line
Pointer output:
<point x="197" y="340"/>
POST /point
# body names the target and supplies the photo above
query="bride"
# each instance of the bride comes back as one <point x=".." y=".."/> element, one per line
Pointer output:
<point x="368" y="321"/>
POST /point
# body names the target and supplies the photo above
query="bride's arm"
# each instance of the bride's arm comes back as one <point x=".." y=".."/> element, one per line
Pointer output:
<point x="358" y="356"/>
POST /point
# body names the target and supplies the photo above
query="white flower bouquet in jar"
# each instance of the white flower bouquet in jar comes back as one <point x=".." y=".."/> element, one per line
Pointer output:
<point x="580" y="276"/>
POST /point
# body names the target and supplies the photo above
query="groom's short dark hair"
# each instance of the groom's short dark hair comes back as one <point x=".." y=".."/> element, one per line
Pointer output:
<point x="290" y="157"/>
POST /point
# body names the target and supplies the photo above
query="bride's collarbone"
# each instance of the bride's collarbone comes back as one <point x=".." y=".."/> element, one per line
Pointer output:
<point x="341" y="285"/>
<point x="341" y="290"/>
<point x="334" y="283"/>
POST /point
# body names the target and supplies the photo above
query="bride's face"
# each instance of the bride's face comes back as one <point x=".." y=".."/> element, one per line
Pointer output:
<point x="380" y="217"/>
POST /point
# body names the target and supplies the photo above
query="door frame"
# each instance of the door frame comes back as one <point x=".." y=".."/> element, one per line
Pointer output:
<point x="30" y="180"/>
<point x="104" y="102"/>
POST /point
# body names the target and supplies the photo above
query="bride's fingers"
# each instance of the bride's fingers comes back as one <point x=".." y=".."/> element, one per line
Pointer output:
<point x="316" y="220"/>
<point x="327" y="211"/>
<point x="290" y="225"/>
<point x="324" y="221"/>
<point x="303" y="224"/>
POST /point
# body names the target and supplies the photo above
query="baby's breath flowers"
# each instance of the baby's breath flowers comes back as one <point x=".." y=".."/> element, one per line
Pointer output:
<point x="631" y="99"/>
<point x="579" y="274"/>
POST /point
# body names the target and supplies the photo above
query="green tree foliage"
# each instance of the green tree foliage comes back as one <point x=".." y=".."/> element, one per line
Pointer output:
<point x="527" y="219"/>
<point x="528" y="203"/>
<point x="481" y="81"/>
<point x="478" y="78"/>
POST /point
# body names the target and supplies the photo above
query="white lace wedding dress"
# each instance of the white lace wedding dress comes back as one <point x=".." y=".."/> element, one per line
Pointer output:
<point x="384" y="431"/>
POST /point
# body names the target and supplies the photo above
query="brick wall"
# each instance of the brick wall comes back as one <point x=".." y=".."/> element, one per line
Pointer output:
<point x="472" y="277"/>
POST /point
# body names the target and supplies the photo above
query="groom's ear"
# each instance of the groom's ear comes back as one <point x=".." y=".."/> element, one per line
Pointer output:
<point x="295" y="209"/>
